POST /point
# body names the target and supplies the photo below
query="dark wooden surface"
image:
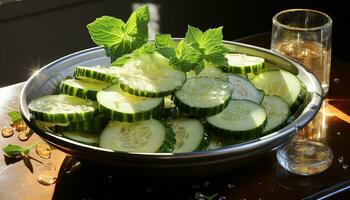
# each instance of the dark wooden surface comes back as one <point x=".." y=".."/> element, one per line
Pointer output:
<point x="263" y="179"/>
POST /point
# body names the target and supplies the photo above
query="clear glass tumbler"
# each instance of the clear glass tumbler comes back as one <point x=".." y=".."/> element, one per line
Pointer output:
<point x="305" y="36"/>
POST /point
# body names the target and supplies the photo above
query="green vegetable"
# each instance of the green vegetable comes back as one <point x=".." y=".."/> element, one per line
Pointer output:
<point x="146" y="48"/>
<point x="184" y="57"/>
<point x="196" y="48"/>
<point x="209" y="43"/>
<point x="15" y="116"/>
<point x="121" y="38"/>
<point x="16" y="151"/>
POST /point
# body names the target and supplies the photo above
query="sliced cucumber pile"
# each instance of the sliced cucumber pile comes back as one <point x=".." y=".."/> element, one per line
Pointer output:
<point x="241" y="120"/>
<point x="243" y="64"/>
<point x="83" y="88"/>
<point x="203" y="96"/>
<point x="277" y="111"/>
<point x="283" y="84"/>
<point x="146" y="136"/>
<point x="122" y="106"/>
<point x="148" y="106"/>
<point x="62" y="108"/>
<point x="244" y="89"/>
<point x="189" y="134"/>
<point x="150" y="75"/>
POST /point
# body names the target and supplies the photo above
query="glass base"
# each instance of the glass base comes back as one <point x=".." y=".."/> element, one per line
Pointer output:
<point x="305" y="157"/>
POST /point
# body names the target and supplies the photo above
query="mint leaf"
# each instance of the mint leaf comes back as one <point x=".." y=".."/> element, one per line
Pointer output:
<point x="146" y="48"/>
<point x="119" y="38"/>
<point x="189" y="58"/>
<point x="209" y="44"/>
<point x="13" y="150"/>
<point x="15" y="116"/>
<point x="165" y="45"/>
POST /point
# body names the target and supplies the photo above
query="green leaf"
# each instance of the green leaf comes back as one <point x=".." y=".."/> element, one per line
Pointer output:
<point x="119" y="38"/>
<point x="146" y="48"/>
<point x="188" y="58"/>
<point x="15" y="116"/>
<point x="165" y="45"/>
<point x="209" y="44"/>
<point x="137" y="24"/>
<point x="13" y="150"/>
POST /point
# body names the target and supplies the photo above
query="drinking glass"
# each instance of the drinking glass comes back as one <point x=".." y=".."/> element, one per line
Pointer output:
<point x="305" y="36"/>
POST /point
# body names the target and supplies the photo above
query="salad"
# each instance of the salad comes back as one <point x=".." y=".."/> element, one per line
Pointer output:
<point x="168" y="96"/>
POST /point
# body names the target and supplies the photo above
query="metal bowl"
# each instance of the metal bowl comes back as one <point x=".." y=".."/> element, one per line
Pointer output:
<point x="46" y="81"/>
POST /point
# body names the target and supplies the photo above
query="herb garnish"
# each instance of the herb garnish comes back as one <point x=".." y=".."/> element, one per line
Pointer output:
<point x="121" y="38"/>
<point x="17" y="151"/>
<point x="15" y="116"/>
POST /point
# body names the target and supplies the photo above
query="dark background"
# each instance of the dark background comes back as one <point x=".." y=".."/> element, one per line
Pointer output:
<point x="36" y="32"/>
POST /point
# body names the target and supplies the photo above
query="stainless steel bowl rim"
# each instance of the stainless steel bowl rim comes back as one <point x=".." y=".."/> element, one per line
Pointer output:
<point x="251" y="146"/>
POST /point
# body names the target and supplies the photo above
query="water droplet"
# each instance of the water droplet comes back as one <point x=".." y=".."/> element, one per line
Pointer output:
<point x="25" y="134"/>
<point x="222" y="198"/>
<point x="46" y="174"/>
<point x="244" y="198"/>
<point x="195" y="186"/>
<point x="46" y="180"/>
<point x="341" y="159"/>
<point x="260" y="183"/>
<point x="336" y="80"/>
<point x="272" y="190"/>
<point x="7" y="132"/>
<point x="345" y="166"/>
<point x="206" y="184"/>
<point x="149" y="190"/>
<point x="260" y="198"/>
<point x="71" y="166"/>
<point x="338" y="133"/>
<point x="231" y="185"/>
<point x="19" y="126"/>
<point x="43" y="150"/>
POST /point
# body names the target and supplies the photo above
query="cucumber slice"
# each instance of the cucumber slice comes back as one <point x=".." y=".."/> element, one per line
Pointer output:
<point x="203" y="96"/>
<point x="214" y="143"/>
<point x="83" y="137"/>
<point x="241" y="120"/>
<point x="277" y="111"/>
<point x="121" y="106"/>
<point x="243" y="64"/>
<point x="244" y="89"/>
<point x="189" y="134"/>
<point x="62" y="108"/>
<point x="208" y="71"/>
<point x="283" y="84"/>
<point x="84" y="88"/>
<point x="146" y="136"/>
<point x="109" y="75"/>
<point x="95" y="125"/>
<point x="150" y="75"/>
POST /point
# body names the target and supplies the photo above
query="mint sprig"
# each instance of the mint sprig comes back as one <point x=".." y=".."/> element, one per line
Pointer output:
<point x="146" y="48"/>
<point x="197" y="48"/>
<point x="119" y="38"/>
<point x="16" y="151"/>
<point x="15" y="116"/>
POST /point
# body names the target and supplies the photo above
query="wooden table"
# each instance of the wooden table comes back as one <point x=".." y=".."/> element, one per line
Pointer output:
<point x="264" y="179"/>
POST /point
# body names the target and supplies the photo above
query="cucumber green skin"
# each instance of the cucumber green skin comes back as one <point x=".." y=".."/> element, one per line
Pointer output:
<point x="95" y="125"/>
<point x="155" y="112"/>
<point x="169" y="141"/>
<point x="302" y="97"/>
<point x="243" y="69"/>
<point x="78" y="92"/>
<point x="204" y="143"/>
<point x="142" y="93"/>
<point x="300" y="108"/>
<point x="84" y="142"/>
<point x="200" y="112"/>
<point x="64" y="118"/>
<point x="279" y="126"/>
<point x="228" y="135"/>
<point x="82" y="72"/>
